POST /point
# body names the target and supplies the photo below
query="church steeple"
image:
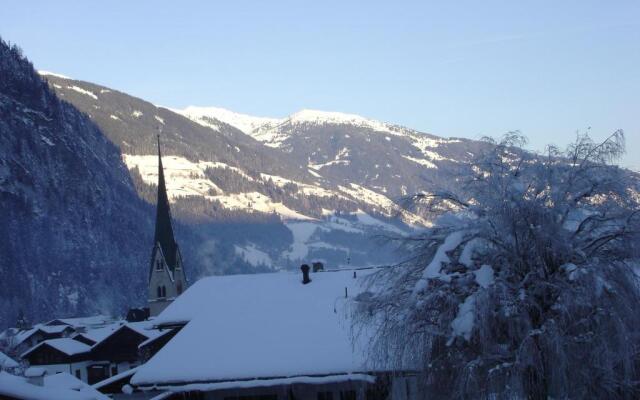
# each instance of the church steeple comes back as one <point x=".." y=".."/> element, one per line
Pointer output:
<point x="166" y="274"/>
<point x="164" y="230"/>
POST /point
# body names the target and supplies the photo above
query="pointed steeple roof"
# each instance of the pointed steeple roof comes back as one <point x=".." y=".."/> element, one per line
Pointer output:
<point x="164" y="230"/>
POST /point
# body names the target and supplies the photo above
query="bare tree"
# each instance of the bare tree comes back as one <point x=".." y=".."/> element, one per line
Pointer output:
<point x="525" y="285"/>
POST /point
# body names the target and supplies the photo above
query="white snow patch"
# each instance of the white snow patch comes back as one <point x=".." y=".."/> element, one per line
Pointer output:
<point x="47" y="140"/>
<point x="304" y="188"/>
<point x="251" y="383"/>
<point x="83" y="91"/>
<point x="243" y="122"/>
<point x="7" y="362"/>
<point x="17" y="387"/>
<point x="136" y="114"/>
<point x="433" y="269"/>
<point x="463" y="324"/>
<point x="47" y="73"/>
<point x="255" y="201"/>
<point x="367" y="219"/>
<point x="252" y="255"/>
<point x="484" y="276"/>
<point x="114" y="117"/>
<point x="302" y="232"/>
<point x="183" y="177"/>
<point x="161" y="120"/>
<point x="421" y="161"/>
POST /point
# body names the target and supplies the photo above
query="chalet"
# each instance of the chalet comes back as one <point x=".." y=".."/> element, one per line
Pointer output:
<point x="118" y="351"/>
<point x="269" y="336"/>
<point x="60" y="355"/>
<point x="167" y="279"/>
<point x="22" y="340"/>
<point x="95" y="354"/>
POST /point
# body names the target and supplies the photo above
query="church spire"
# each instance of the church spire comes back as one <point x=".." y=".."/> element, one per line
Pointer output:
<point x="164" y="230"/>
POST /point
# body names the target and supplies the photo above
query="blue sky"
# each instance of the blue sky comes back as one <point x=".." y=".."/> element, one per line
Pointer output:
<point x="547" y="68"/>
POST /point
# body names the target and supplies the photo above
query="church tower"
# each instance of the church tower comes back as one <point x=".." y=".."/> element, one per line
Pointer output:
<point x="166" y="273"/>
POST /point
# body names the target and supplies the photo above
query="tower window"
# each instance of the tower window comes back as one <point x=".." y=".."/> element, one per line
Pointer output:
<point x="179" y="287"/>
<point x="164" y="291"/>
<point x="159" y="291"/>
<point x="159" y="265"/>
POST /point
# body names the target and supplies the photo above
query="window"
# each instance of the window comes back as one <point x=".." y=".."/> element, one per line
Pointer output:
<point x="158" y="265"/>
<point x="159" y="292"/>
<point x="164" y="291"/>
<point x="78" y="374"/>
<point x="179" y="287"/>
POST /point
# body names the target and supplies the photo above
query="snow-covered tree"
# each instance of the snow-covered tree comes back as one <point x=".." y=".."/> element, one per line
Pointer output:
<point x="524" y="287"/>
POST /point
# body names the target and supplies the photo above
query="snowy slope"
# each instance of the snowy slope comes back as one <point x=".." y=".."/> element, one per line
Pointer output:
<point x="207" y="116"/>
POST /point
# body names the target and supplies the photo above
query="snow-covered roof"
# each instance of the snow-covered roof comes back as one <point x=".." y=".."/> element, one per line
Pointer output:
<point x="145" y="328"/>
<point x="23" y="335"/>
<point x="259" y="326"/>
<point x="67" y="346"/>
<point x="17" y="387"/>
<point x="64" y="380"/>
<point x="252" y="383"/>
<point x="54" y="328"/>
<point x="94" y="320"/>
<point x="7" y="362"/>
<point x="99" y="334"/>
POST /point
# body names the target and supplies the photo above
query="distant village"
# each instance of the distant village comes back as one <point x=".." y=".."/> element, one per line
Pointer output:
<point x="265" y="336"/>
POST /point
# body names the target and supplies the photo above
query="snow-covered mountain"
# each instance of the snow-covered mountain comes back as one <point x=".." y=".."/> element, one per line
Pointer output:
<point x="326" y="182"/>
<point x="210" y="116"/>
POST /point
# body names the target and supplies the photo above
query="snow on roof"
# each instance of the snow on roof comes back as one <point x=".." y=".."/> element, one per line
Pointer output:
<point x="94" y="320"/>
<point x="151" y="339"/>
<point x="34" y="372"/>
<point x="251" y="383"/>
<point x="115" y="378"/>
<point x="7" y="362"/>
<point x="54" y="328"/>
<point x="259" y="326"/>
<point x="98" y="334"/>
<point x="16" y="387"/>
<point x="145" y="328"/>
<point x="64" y="380"/>
<point x="21" y="336"/>
<point x="68" y="346"/>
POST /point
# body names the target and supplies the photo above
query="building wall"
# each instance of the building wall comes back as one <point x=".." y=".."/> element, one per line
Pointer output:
<point x="162" y="278"/>
<point x="71" y="368"/>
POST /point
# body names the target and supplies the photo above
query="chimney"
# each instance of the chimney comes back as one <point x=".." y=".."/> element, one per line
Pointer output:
<point x="305" y="274"/>
<point x="318" y="266"/>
